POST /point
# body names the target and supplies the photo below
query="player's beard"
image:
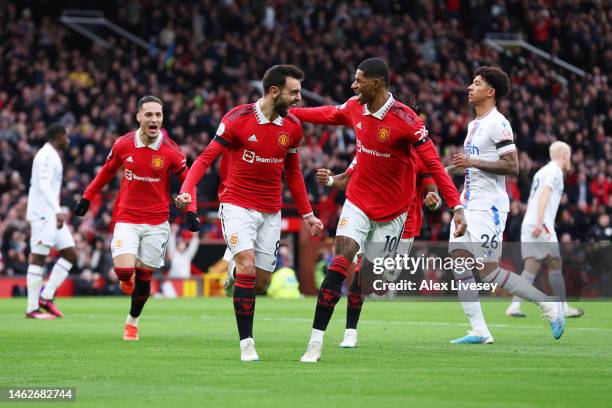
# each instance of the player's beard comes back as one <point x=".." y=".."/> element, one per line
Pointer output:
<point x="281" y="107"/>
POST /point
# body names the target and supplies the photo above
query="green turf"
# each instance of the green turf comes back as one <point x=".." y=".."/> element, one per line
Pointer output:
<point x="188" y="356"/>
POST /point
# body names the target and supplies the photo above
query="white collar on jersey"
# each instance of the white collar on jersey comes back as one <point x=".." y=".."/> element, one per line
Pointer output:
<point x="261" y="119"/>
<point x="155" y="145"/>
<point x="380" y="114"/>
<point x="484" y="115"/>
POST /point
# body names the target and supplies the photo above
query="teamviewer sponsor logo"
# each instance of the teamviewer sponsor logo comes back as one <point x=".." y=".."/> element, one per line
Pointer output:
<point x="373" y="152"/>
<point x="129" y="175"/>
<point x="248" y="156"/>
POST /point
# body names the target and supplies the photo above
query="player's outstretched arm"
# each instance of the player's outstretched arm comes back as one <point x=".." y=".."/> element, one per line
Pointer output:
<point x="186" y="198"/>
<point x="324" y="115"/>
<point x="507" y="165"/>
<point x="113" y="162"/>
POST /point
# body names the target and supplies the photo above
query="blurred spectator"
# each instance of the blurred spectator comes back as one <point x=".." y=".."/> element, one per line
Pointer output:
<point x="602" y="231"/>
<point x="180" y="253"/>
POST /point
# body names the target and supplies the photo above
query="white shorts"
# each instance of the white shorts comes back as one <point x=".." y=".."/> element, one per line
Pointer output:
<point x="404" y="248"/>
<point x="245" y="229"/>
<point x="147" y="242"/>
<point x="541" y="247"/>
<point x="44" y="235"/>
<point x="375" y="239"/>
<point x="484" y="235"/>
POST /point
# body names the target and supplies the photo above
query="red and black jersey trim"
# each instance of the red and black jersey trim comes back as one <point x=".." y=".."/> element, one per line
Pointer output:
<point x="421" y="142"/>
<point x="221" y="140"/>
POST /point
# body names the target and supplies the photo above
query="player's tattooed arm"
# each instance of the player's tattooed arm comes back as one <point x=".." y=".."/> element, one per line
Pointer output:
<point x="454" y="170"/>
<point x="507" y="165"/>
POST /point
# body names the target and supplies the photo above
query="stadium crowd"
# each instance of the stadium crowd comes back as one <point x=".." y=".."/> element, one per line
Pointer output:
<point x="203" y="56"/>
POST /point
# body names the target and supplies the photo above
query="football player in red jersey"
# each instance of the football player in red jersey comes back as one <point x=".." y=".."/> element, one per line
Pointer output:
<point x="141" y="211"/>
<point x="387" y="133"/>
<point x="259" y="141"/>
<point x="426" y="194"/>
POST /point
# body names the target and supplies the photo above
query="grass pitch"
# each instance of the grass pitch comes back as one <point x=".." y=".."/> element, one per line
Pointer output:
<point x="188" y="356"/>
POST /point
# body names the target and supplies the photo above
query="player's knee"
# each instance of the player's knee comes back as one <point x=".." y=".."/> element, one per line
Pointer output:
<point x="346" y="247"/>
<point x="37" y="259"/>
<point x="488" y="268"/>
<point x="554" y="263"/>
<point x="69" y="254"/>
<point x="124" y="274"/>
<point x="245" y="264"/>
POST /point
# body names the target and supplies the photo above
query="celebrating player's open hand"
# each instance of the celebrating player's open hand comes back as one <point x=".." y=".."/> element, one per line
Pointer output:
<point x="182" y="200"/>
<point x="323" y="176"/>
<point x="433" y="201"/>
<point x="460" y="223"/>
<point x="315" y="226"/>
<point x="461" y="160"/>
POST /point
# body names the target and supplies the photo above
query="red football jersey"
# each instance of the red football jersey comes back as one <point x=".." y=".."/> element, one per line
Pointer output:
<point x="144" y="194"/>
<point x="412" y="226"/>
<point x="378" y="186"/>
<point x="255" y="154"/>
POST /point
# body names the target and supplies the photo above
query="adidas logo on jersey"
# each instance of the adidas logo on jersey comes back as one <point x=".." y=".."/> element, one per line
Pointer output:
<point x="358" y="125"/>
<point x="253" y="138"/>
<point x="129" y="159"/>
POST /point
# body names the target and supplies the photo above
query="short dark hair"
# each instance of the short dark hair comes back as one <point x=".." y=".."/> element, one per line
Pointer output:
<point x="277" y="76"/>
<point x="375" y="68"/>
<point x="495" y="77"/>
<point x="55" y="130"/>
<point x="149" y="98"/>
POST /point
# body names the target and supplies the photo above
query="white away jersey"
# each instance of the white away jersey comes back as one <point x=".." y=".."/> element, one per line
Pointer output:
<point x="550" y="175"/>
<point x="488" y="138"/>
<point x="45" y="184"/>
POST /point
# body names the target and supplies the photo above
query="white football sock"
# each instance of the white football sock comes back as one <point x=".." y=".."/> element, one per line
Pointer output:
<point x="530" y="277"/>
<point x="132" y="320"/>
<point x="316" y="336"/>
<point x="56" y="278"/>
<point x="557" y="283"/>
<point x="34" y="282"/>
<point x="519" y="286"/>
<point x="471" y="305"/>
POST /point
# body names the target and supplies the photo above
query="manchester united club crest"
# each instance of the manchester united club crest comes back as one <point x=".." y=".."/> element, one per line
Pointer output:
<point x="283" y="139"/>
<point x="157" y="162"/>
<point x="343" y="222"/>
<point x="384" y="133"/>
<point x="233" y="240"/>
